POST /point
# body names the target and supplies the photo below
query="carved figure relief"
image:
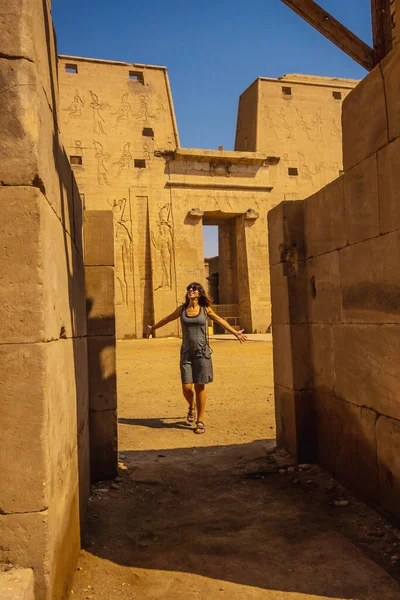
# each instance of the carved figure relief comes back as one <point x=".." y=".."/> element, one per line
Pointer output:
<point x="143" y="112"/>
<point x="164" y="214"/>
<point x="285" y="127"/>
<point x="269" y="123"/>
<point x="125" y="162"/>
<point x="163" y="267"/>
<point x="302" y="125"/>
<point x="319" y="126"/>
<point x="335" y="130"/>
<point x="124" y="112"/>
<point x="101" y="159"/>
<point x="146" y="151"/>
<point x="78" y="148"/>
<point x="98" y="121"/>
<point x="305" y="171"/>
<point x="124" y="241"/>
<point x="159" y="114"/>
<point x="74" y="110"/>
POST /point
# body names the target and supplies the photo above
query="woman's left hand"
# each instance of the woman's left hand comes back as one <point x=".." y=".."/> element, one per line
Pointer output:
<point x="241" y="336"/>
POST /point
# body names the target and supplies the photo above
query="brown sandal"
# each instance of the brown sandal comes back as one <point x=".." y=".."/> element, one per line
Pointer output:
<point x="200" y="427"/>
<point x="191" y="416"/>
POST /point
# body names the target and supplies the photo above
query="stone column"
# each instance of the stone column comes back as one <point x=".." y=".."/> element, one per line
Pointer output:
<point x="100" y="310"/>
<point x="243" y="276"/>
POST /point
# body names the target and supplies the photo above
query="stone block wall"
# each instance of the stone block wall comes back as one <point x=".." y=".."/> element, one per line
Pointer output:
<point x="44" y="456"/>
<point x="100" y="308"/>
<point x="335" y="288"/>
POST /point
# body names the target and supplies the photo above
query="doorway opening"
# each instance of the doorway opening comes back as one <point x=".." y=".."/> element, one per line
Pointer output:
<point x="221" y="269"/>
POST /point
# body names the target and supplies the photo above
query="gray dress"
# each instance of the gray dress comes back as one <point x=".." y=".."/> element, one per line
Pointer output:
<point x="195" y="363"/>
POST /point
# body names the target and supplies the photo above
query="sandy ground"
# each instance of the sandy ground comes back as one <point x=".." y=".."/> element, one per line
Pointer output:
<point x="222" y="515"/>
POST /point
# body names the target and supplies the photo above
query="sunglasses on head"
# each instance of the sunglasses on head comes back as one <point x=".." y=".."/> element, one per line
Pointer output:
<point x="193" y="287"/>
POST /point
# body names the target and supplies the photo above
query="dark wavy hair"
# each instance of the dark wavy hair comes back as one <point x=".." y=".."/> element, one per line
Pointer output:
<point x="204" y="299"/>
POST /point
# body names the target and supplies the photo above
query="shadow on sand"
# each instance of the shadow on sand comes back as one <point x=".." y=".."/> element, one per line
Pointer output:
<point x="225" y="513"/>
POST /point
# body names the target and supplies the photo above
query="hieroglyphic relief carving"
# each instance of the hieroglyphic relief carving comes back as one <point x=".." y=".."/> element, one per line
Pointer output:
<point x="319" y="126"/>
<point x="335" y="129"/>
<point x="319" y="172"/>
<point x="101" y="159"/>
<point x="303" y="126"/>
<point x="143" y="112"/>
<point x="125" y="161"/>
<point x="78" y="148"/>
<point x="98" y="121"/>
<point x="124" y="112"/>
<point x="124" y="241"/>
<point x="163" y="244"/>
<point x="146" y="151"/>
<point x="74" y="110"/>
<point x="285" y="127"/>
<point x="269" y="123"/>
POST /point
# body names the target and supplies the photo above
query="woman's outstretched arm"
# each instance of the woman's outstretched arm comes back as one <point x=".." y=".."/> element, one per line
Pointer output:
<point x="175" y="315"/>
<point x="217" y="319"/>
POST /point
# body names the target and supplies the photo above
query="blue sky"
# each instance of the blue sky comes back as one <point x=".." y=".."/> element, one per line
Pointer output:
<point x="213" y="51"/>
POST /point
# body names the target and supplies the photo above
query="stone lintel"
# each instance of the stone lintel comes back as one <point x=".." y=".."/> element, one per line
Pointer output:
<point x="225" y="156"/>
<point x="219" y="186"/>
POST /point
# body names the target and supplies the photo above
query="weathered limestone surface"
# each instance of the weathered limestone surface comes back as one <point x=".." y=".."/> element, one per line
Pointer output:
<point x="17" y="584"/>
<point x="388" y="444"/>
<point x="103" y="444"/>
<point x="295" y="423"/>
<point x="102" y="375"/>
<point x="286" y="227"/>
<point x="364" y="120"/>
<point x="324" y="293"/>
<point x="389" y="187"/>
<point x="324" y="229"/>
<point x="291" y="364"/>
<point x="349" y="289"/>
<point x="346" y="442"/>
<point x="361" y="204"/>
<point x="321" y="354"/>
<point x="391" y="78"/>
<point x="366" y="366"/>
<point x="101" y="344"/>
<point x="44" y="480"/>
<point x="99" y="229"/>
<point x="100" y="295"/>
<point x="370" y="281"/>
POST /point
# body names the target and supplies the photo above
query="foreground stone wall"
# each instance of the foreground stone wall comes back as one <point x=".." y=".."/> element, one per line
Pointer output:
<point x="335" y="300"/>
<point x="44" y="467"/>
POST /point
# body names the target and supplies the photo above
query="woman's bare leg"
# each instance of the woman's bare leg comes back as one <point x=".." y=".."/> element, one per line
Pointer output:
<point x="200" y="400"/>
<point x="187" y="389"/>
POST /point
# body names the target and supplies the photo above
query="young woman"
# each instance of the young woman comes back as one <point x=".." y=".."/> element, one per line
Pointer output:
<point x="195" y="362"/>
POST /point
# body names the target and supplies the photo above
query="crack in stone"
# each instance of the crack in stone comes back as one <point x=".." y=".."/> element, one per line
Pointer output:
<point x="11" y="57"/>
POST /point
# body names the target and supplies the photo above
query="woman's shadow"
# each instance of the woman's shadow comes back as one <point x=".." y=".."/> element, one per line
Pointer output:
<point x="157" y="423"/>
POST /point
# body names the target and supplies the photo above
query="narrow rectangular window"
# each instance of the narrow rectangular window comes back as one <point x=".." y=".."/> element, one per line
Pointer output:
<point x="148" y="132"/>
<point x="136" y="76"/>
<point x="140" y="163"/>
<point x="71" y="68"/>
<point x="337" y="95"/>
<point x="293" y="171"/>
<point x="287" y="91"/>
<point x="75" y="160"/>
